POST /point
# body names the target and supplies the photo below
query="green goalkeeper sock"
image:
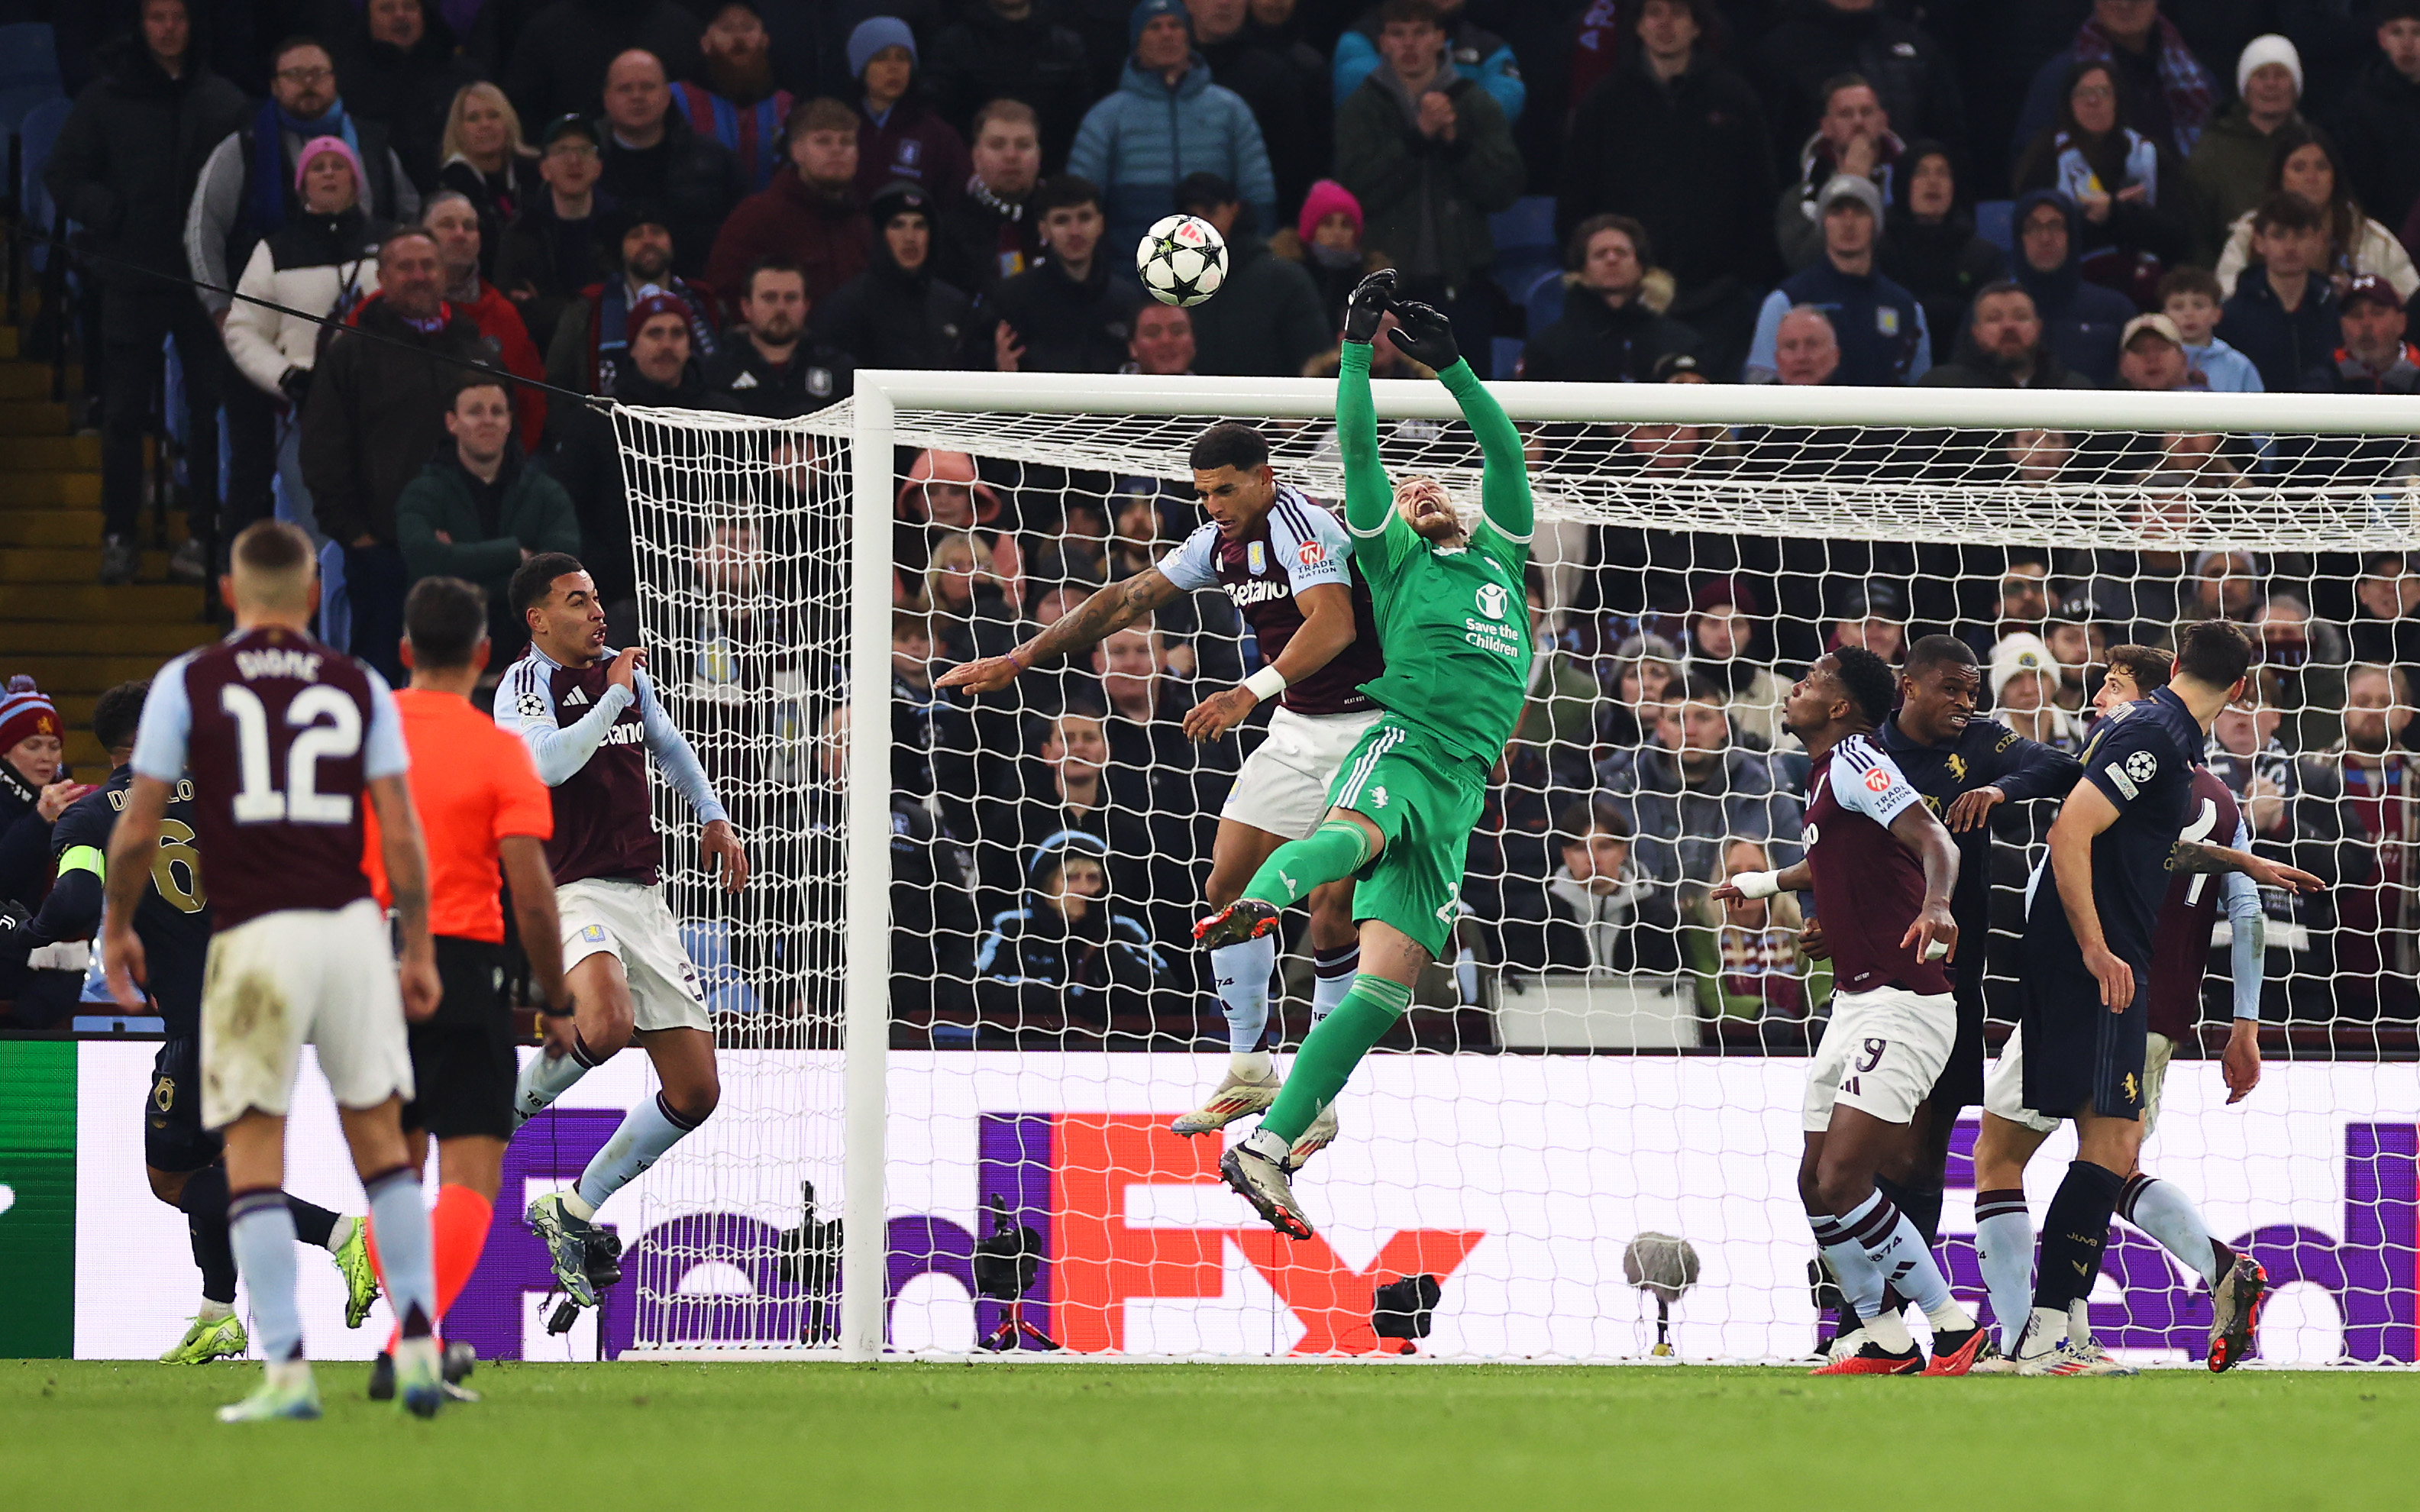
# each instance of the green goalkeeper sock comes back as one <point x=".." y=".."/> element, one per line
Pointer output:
<point x="1336" y="1045"/>
<point x="1337" y="848"/>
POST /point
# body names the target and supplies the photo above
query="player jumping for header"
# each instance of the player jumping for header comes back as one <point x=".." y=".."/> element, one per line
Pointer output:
<point x="1284" y="561"/>
<point x="1453" y="624"/>
<point x="2011" y="1132"/>
<point x="2089" y="923"/>
<point x="590" y="718"/>
<point x="1883" y="869"/>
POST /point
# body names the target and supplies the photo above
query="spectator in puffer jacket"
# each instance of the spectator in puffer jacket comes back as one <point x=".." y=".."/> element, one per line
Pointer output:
<point x="897" y="314"/>
<point x="899" y="138"/>
<point x="321" y="262"/>
<point x="1266" y="321"/>
<point x="1479" y="55"/>
<point x="810" y="215"/>
<point x="1166" y="120"/>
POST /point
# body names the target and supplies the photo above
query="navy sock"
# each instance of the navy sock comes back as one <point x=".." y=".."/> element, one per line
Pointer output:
<point x="203" y="1203"/>
<point x="2075" y="1233"/>
<point x="313" y="1224"/>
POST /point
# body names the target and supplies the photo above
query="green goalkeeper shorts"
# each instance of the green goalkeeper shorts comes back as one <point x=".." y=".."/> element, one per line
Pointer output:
<point x="1426" y="800"/>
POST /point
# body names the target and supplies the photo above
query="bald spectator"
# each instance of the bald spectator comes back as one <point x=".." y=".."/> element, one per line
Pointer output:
<point x="1913" y="80"/>
<point x="986" y="235"/>
<point x="738" y="102"/>
<point x="1853" y="135"/>
<point x="1609" y="334"/>
<point x="1268" y="319"/>
<point x="1805" y="350"/>
<point x="1678" y="140"/>
<point x="652" y="157"/>
<point x="1878" y="325"/>
<point x="1163" y="345"/>
<point x="1013" y="50"/>
<point x="2002" y="347"/>
<point x="1076" y="312"/>
<point x="2229" y="165"/>
<point x="453" y="220"/>
<point x="810" y="214"/>
<point x="1166" y="120"/>
<point x="900" y="139"/>
<point x="560" y="58"/>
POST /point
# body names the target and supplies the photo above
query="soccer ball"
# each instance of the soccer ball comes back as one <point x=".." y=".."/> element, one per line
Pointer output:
<point x="1182" y="261"/>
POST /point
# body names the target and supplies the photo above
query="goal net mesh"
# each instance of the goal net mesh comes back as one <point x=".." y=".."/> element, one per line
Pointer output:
<point x="1601" y="1054"/>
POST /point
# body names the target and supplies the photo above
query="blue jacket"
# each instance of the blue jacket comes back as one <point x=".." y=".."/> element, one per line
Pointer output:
<point x="1140" y="143"/>
<point x="1883" y="339"/>
<point x="1477" y="54"/>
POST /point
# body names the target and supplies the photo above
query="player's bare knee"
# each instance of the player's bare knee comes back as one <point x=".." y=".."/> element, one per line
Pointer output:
<point x="1841" y="1184"/>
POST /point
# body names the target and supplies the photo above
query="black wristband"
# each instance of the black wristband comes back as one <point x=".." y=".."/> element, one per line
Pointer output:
<point x="551" y="1012"/>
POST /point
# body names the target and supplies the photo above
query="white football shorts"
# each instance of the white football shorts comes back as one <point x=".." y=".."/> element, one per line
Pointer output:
<point x="1282" y="787"/>
<point x="318" y="977"/>
<point x="1884" y="1050"/>
<point x="2004" y="1088"/>
<point x="630" y="921"/>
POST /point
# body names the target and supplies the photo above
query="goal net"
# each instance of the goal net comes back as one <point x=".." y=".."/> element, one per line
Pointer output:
<point x="959" y="1003"/>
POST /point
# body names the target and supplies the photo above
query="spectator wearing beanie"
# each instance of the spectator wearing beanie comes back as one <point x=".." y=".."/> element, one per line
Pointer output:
<point x="1075" y="313"/>
<point x="1610" y="332"/>
<point x="1929" y="247"/>
<point x="2230" y="166"/>
<point x="320" y="263"/>
<point x="738" y="105"/>
<point x="1879" y="325"/>
<point x="1165" y="121"/>
<point x="2378" y="121"/>
<point x="593" y="334"/>
<point x="1678" y="141"/>
<point x="897" y="314"/>
<point x="899" y="138"/>
<point x="1268" y="319"/>
<point x="810" y="214"/>
<point x="31" y="791"/>
<point x="1327" y="241"/>
<point x="650" y="154"/>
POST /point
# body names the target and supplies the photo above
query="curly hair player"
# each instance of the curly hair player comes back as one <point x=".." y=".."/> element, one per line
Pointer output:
<point x="1453" y="625"/>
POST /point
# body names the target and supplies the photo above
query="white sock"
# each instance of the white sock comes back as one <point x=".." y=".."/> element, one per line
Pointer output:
<point x="2049" y="1327"/>
<point x="1253" y="1066"/>
<point x="545" y="1079"/>
<point x="2079" y="1319"/>
<point x="1334" y="970"/>
<point x="399" y="1216"/>
<point x="260" y="1230"/>
<point x="2004" y="1242"/>
<point x="2162" y="1210"/>
<point x="210" y="1312"/>
<point x="1888" y="1333"/>
<point x="1266" y="1143"/>
<point x="647" y="1132"/>
<point x="342" y="1232"/>
<point x="1243" y="972"/>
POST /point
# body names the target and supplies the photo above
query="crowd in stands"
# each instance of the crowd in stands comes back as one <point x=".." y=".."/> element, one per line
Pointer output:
<point x="736" y="205"/>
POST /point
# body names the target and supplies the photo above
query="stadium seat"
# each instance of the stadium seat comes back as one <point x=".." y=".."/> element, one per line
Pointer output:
<point x="29" y="71"/>
<point x="1995" y="223"/>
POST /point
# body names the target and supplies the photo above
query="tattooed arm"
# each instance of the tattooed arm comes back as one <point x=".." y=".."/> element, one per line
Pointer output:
<point x="2192" y="856"/>
<point x="1103" y="614"/>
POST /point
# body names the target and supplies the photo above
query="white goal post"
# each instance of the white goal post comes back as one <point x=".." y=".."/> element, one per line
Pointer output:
<point x="688" y="468"/>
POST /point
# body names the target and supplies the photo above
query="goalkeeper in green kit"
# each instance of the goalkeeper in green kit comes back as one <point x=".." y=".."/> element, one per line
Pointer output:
<point x="1454" y="624"/>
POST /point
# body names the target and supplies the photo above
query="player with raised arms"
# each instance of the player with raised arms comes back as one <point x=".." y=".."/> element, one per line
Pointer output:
<point x="2090" y="921"/>
<point x="182" y="1160"/>
<point x="1883" y="869"/>
<point x="591" y="718"/>
<point x="285" y="739"/>
<point x="2011" y="1132"/>
<point x="1453" y="625"/>
<point x="485" y="817"/>
<point x="1285" y="562"/>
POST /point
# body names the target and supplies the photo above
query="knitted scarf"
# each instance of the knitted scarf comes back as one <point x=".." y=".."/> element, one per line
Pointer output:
<point x="2190" y="94"/>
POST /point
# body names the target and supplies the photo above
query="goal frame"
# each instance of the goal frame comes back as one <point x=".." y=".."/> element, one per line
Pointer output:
<point x="871" y="426"/>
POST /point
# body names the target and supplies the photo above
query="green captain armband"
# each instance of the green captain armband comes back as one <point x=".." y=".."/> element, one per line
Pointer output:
<point x="82" y="858"/>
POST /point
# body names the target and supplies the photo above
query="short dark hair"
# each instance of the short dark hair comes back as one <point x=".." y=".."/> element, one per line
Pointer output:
<point x="444" y="619"/>
<point x="1833" y="86"/>
<point x="1997" y="286"/>
<point x="1576" y="250"/>
<point x="2286" y="212"/>
<point x="534" y="579"/>
<point x="272" y="545"/>
<point x="771" y="263"/>
<point x="2189" y="279"/>
<point x="1229" y="445"/>
<point x="400" y="235"/>
<point x="1937" y="651"/>
<point x="289" y="42"/>
<point x="480" y="377"/>
<point x="1589" y="815"/>
<point x="821" y="114"/>
<point x="2214" y="652"/>
<point x="1205" y="191"/>
<point x="117" y="712"/>
<point x="1870" y="681"/>
<point x="2148" y="665"/>
<point x="1064" y="192"/>
<point x="1395" y="11"/>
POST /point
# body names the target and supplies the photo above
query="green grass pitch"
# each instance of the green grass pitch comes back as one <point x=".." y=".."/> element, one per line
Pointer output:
<point x="1070" y="1438"/>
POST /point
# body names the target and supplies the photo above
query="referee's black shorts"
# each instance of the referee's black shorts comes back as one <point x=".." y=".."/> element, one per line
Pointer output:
<point x="463" y="1060"/>
<point x="2077" y="1053"/>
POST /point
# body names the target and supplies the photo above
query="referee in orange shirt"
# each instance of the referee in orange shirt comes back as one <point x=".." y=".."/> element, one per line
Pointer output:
<point x="481" y="808"/>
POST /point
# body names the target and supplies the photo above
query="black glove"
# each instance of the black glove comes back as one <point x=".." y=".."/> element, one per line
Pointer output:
<point x="1426" y="335"/>
<point x="295" y="383"/>
<point x="1371" y="298"/>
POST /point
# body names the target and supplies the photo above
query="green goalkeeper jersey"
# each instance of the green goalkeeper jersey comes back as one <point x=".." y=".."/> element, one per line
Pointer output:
<point x="1452" y="621"/>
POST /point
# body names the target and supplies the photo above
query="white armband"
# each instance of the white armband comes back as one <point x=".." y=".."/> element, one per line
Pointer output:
<point x="1266" y="684"/>
<point x="1756" y="884"/>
